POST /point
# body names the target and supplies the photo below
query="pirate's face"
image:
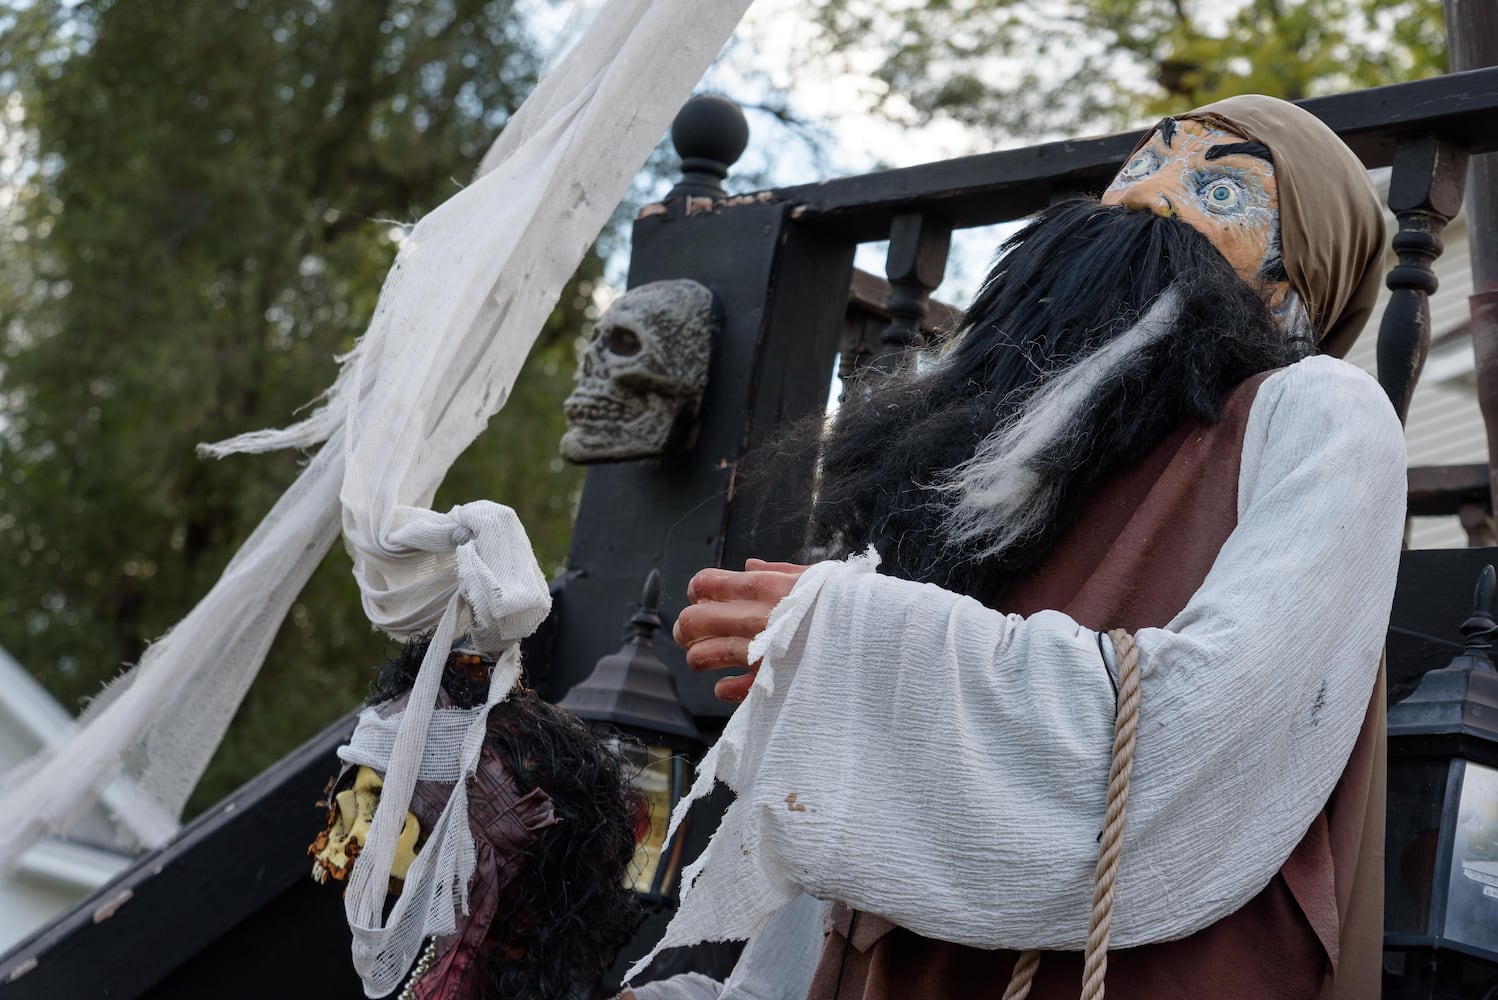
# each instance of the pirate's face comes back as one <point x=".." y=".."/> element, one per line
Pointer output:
<point x="1219" y="184"/>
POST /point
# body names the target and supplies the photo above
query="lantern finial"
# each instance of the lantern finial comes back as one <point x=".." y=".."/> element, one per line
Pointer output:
<point x="1481" y="629"/>
<point x="647" y="619"/>
<point x="633" y="688"/>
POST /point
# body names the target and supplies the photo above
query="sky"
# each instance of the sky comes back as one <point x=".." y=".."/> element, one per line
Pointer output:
<point x="764" y="52"/>
<point x="761" y="59"/>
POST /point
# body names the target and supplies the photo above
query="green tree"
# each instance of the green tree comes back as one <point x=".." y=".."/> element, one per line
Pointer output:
<point x="198" y="222"/>
<point x="1024" y="69"/>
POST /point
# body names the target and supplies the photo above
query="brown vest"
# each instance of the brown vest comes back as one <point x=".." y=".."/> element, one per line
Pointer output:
<point x="1140" y="549"/>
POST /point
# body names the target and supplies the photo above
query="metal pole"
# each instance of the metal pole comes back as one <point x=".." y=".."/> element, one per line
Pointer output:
<point x="1472" y="40"/>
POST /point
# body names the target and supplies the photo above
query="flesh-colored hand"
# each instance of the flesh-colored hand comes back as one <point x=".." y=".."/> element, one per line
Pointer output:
<point x="727" y="610"/>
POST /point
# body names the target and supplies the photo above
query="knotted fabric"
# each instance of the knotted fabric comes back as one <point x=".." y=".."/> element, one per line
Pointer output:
<point x="472" y="566"/>
<point x="470" y="289"/>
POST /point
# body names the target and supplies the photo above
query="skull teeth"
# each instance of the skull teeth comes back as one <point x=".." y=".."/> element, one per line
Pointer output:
<point x="590" y="408"/>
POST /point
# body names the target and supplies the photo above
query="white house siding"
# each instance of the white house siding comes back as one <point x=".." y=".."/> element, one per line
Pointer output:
<point x="1444" y="425"/>
<point x="55" y="873"/>
<point x="27" y="904"/>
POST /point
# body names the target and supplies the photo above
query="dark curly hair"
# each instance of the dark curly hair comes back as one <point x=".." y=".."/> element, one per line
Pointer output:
<point x="560" y="923"/>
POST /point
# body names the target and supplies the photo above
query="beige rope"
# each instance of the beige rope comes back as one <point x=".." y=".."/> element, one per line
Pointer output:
<point x="1125" y="723"/>
<point x="1023" y="976"/>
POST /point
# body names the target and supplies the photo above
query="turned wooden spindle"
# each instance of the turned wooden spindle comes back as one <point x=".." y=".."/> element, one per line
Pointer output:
<point x="917" y="259"/>
<point x="1425" y="191"/>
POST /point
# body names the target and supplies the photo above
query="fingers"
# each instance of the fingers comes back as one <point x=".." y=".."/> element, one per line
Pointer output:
<point x="744" y="619"/>
<point x="729" y="585"/>
<point x="719" y="652"/>
<point x="727" y="609"/>
<point x="752" y="565"/>
<point x="734" y="688"/>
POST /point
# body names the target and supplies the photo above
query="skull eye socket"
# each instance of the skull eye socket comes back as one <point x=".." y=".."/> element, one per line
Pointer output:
<point x="620" y="341"/>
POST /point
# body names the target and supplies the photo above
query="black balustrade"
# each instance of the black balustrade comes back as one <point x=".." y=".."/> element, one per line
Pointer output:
<point x="1425" y="192"/>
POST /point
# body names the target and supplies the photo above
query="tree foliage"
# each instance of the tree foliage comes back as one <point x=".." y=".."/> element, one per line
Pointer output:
<point x="1029" y="68"/>
<point x="205" y="203"/>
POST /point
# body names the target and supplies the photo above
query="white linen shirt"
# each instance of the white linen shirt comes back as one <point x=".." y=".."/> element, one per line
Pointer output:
<point x="917" y="755"/>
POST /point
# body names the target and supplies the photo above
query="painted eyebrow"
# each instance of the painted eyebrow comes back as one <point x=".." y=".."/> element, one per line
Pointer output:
<point x="1240" y="149"/>
<point x="1166" y="130"/>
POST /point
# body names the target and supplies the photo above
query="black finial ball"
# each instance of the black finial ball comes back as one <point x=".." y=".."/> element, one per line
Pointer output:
<point x="709" y="131"/>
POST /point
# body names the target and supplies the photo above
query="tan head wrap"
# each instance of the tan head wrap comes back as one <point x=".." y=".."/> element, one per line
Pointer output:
<point x="1331" y="225"/>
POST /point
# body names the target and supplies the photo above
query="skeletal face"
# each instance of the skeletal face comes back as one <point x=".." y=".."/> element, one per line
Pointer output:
<point x="352" y="810"/>
<point x="640" y="382"/>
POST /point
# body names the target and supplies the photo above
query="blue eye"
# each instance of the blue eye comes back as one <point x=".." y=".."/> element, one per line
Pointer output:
<point x="1222" y="195"/>
<point x="1142" y="163"/>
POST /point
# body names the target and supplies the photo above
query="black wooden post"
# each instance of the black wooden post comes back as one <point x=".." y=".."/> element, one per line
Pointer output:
<point x="783" y="289"/>
<point x="1425" y="191"/>
<point x="917" y="258"/>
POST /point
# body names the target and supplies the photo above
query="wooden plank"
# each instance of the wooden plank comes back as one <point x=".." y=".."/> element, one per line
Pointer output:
<point x="175" y="904"/>
<point x="1009" y="184"/>
<point x="1435" y="490"/>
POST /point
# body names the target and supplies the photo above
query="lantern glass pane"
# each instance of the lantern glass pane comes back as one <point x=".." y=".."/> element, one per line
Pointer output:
<point x="1472" y="907"/>
<point x="1417" y="794"/>
<point x="652" y="779"/>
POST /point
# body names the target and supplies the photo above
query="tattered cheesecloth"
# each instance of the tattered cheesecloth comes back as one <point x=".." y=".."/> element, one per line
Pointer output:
<point x="503" y="822"/>
<point x="544" y="805"/>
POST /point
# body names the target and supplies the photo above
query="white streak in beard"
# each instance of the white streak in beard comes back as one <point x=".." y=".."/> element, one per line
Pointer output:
<point x="1002" y="497"/>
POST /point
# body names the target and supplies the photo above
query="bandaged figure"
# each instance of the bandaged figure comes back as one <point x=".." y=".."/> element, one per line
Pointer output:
<point x="1142" y="424"/>
<point x="553" y="822"/>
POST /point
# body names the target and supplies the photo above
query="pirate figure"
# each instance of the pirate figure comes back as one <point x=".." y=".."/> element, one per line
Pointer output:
<point x="1142" y="424"/>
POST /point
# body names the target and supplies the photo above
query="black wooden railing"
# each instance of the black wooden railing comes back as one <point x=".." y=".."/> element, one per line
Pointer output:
<point x="1425" y="131"/>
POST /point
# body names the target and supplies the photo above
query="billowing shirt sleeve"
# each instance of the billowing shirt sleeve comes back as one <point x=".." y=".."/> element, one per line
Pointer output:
<point x="914" y="754"/>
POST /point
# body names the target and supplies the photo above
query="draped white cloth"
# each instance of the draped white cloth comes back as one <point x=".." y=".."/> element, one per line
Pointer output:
<point x="469" y="291"/>
<point x="777" y="964"/>
<point x="919" y="756"/>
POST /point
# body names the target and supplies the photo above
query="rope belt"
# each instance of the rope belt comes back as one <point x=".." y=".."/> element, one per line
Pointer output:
<point x="1095" y="964"/>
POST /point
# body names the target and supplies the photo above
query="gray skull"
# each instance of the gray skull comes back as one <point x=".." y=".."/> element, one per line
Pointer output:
<point x="640" y="382"/>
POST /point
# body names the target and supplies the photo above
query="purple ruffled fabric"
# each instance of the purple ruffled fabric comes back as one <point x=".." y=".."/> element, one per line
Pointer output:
<point x="505" y="824"/>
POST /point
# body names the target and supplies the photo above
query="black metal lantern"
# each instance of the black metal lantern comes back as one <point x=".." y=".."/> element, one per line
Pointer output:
<point x="1441" y="855"/>
<point x="632" y="691"/>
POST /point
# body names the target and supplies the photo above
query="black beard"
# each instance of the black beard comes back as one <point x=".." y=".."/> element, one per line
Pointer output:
<point x="1079" y="275"/>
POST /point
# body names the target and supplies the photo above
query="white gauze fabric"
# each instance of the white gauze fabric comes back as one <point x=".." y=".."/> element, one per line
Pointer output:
<point x="437" y="880"/>
<point x="471" y="287"/>
<point x="495" y="588"/>
<point x="919" y="756"/>
<point x="778" y="964"/>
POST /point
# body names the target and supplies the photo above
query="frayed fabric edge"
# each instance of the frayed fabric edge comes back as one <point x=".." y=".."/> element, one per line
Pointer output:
<point x="724" y="761"/>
